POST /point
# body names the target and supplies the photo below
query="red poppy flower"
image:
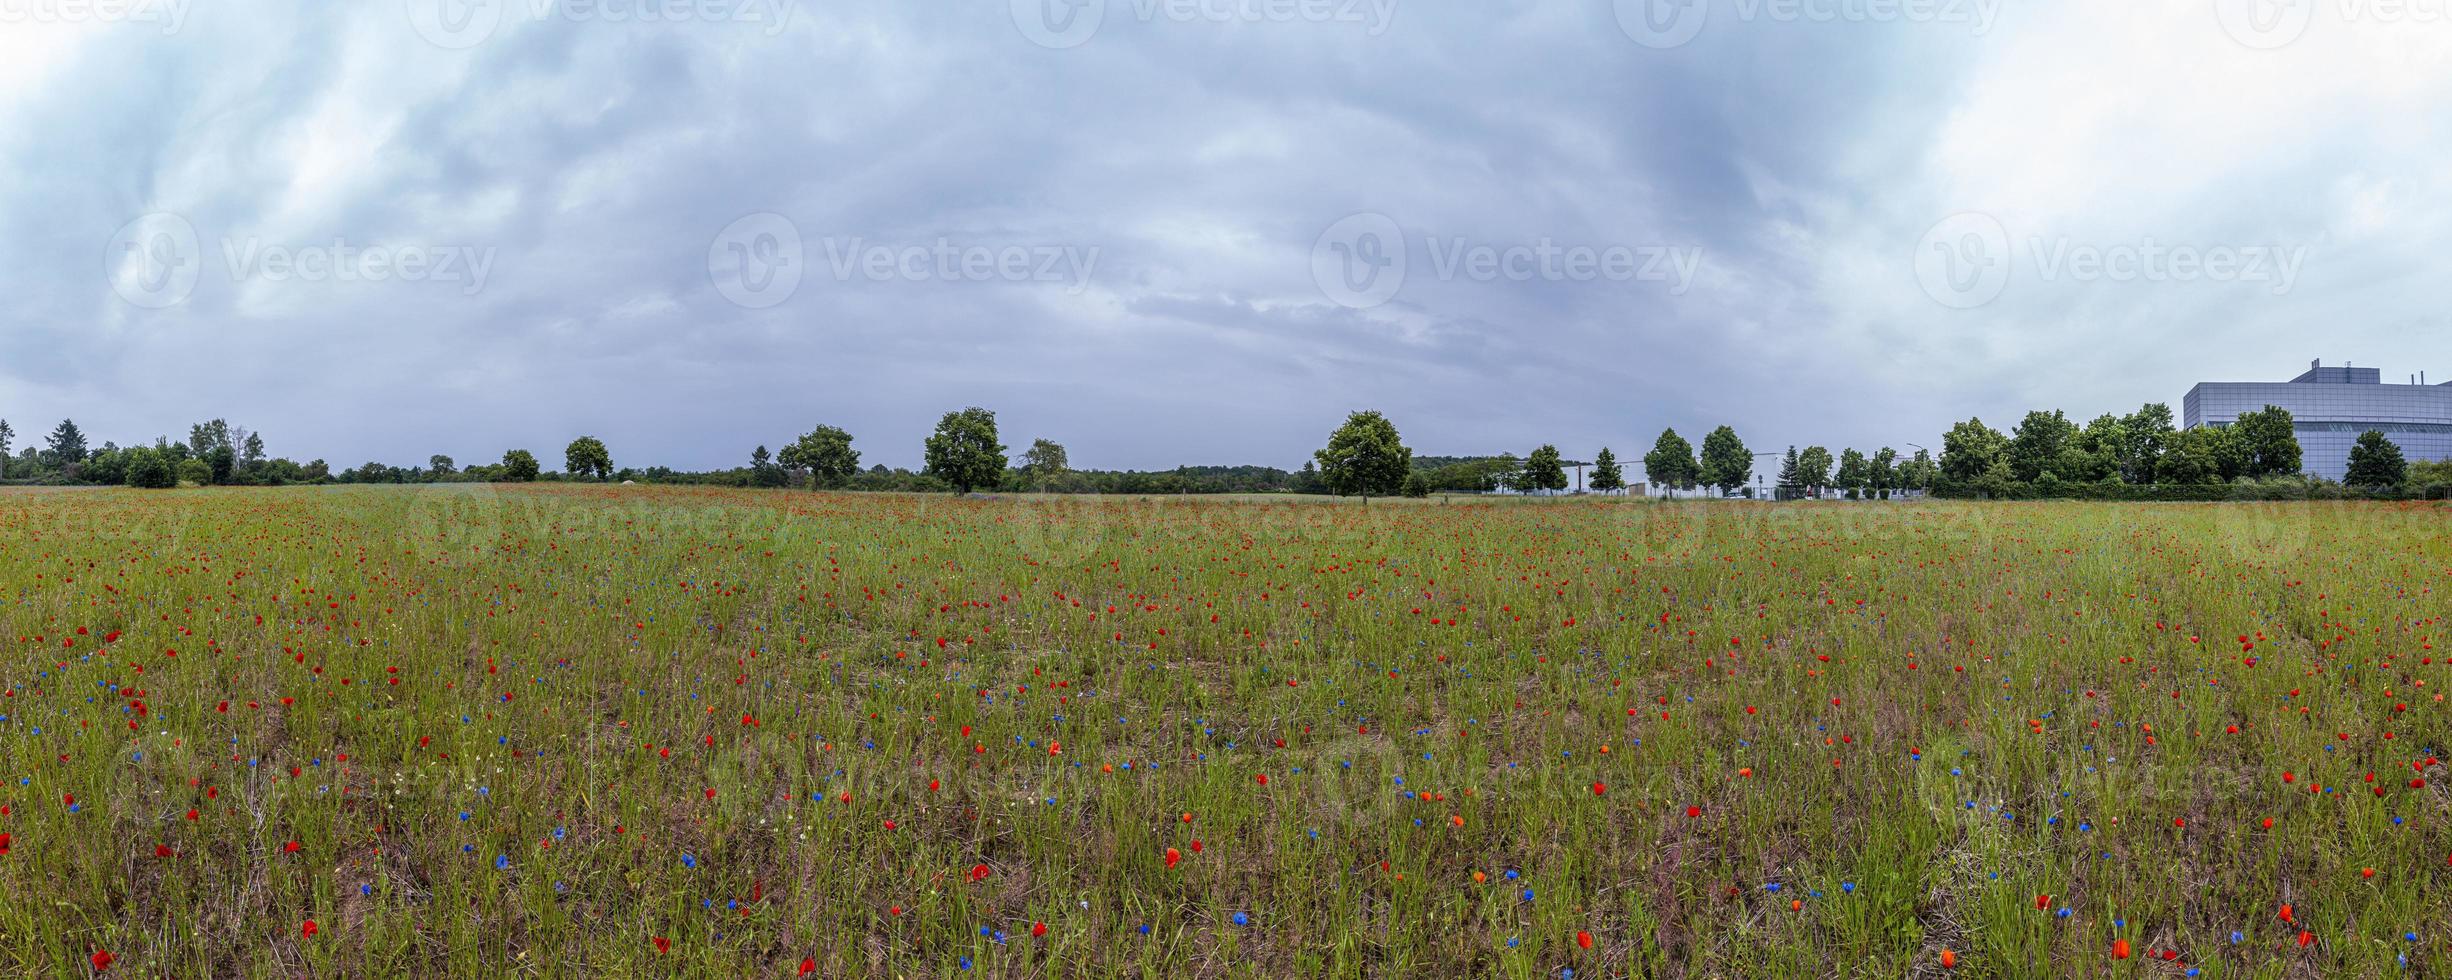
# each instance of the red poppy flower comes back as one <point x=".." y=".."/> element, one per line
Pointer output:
<point x="101" y="960"/>
<point x="1583" y="939"/>
<point x="662" y="944"/>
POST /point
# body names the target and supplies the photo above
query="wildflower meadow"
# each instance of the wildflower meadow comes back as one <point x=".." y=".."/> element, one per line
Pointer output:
<point x="601" y="731"/>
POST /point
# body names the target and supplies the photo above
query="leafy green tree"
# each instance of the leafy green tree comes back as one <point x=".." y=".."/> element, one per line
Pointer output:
<point x="1791" y="481"/>
<point x="1813" y="468"/>
<point x="1969" y="449"/>
<point x="1543" y="471"/>
<point x="1885" y="469"/>
<point x="1504" y="473"/>
<point x="2035" y="445"/>
<point x="66" y="446"/>
<point x="204" y="437"/>
<point x="107" y="466"/>
<point x="1365" y="458"/>
<point x="2191" y="458"/>
<point x="518" y="466"/>
<point x="1726" y="463"/>
<point x="2268" y="442"/>
<point x="2094" y="454"/>
<point x="148" y="469"/>
<point x="251" y="451"/>
<point x="826" y="453"/>
<point x="2375" y="462"/>
<point x="1855" y="474"/>
<point x="1671" y="462"/>
<point x="195" y="471"/>
<point x="587" y="456"/>
<point x="1416" y="486"/>
<point x="2432" y="476"/>
<point x="964" y="452"/>
<point x="2144" y="436"/>
<point x="1607" y="477"/>
<point x="441" y="465"/>
<point x="221" y="462"/>
<point x="6" y="434"/>
<point x="1044" y="464"/>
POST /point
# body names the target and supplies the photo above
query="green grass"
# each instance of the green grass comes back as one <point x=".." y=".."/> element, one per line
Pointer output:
<point x="528" y="731"/>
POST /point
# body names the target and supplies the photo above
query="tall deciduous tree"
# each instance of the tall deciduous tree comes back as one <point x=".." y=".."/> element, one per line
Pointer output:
<point x="1855" y="474"/>
<point x="1365" y="457"/>
<point x="1671" y="462"/>
<point x="587" y="456"/>
<point x="2035" y="446"/>
<point x="2268" y="442"/>
<point x="518" y="466"/>
<point x="1813" y="468"/>
<point x="2190" y="458"/>
<point x="1607" y="477"/>
<point x="1969" y="449"/>
<point x="2376" y="463"/>
<point x="2145" y="435"/>
<point x="964" y="452"/>
<point x="1044" y="463"/>
<point x="826" y="453"/>
<point x="1726" y="463"/>
<point x="1884" y="469"/>
<point x="6" y="434"/>
<point x="1544" y="471"/>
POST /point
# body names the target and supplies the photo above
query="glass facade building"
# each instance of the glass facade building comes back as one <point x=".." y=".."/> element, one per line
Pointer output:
<point x="2332" y="406"/>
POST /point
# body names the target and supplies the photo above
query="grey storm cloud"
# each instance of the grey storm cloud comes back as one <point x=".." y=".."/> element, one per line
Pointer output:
<point x="1192" y="231"/>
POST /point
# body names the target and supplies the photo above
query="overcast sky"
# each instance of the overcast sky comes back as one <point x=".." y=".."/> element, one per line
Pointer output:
<point x="1168" y="232"/>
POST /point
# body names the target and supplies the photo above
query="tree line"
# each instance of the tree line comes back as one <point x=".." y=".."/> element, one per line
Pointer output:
<point x="2141" y="455"/>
